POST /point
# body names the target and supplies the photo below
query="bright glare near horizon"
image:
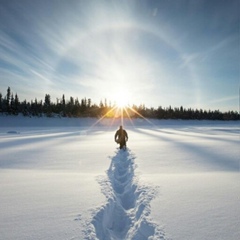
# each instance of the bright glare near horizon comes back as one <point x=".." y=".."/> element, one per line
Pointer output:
<point x="122" y="98"/>
<point x="160" y="53"/>
<point x="122" y="101"/>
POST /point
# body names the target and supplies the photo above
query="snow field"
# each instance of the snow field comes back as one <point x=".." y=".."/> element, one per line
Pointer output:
<point x="44" y="205"/>
<point x="197" y="171"/>
<point x="63" y="179"/>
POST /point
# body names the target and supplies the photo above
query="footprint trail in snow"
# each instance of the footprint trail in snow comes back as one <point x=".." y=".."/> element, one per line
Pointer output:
<point x="126" y="213"/>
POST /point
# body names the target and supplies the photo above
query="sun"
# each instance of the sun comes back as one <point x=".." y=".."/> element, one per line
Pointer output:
<point x="121" y="102"/>
<point x="122" y="99"/>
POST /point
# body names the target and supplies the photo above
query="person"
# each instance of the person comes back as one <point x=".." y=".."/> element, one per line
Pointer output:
<point x="121" y="137"/>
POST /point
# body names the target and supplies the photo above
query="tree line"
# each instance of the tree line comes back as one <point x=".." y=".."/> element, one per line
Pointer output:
<point x="73" y="107"/>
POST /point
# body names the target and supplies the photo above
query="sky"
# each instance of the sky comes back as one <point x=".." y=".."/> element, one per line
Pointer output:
<point x="153" y="52"/>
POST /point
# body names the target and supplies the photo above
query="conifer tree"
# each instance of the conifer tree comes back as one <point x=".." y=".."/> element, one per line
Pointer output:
<point x="63" y="106"/>
<point x="16" y="104"/>
<point x="63" y="100"/>
<point x="1" y="103"/>
<point x="12" y="110"/>
<point x="8" y="99"/>
<point x="89" y="103"/>
<point x="47" y="105"/>
<point x="47" y="101"/>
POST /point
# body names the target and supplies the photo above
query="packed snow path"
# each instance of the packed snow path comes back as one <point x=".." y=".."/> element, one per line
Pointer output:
<point x="125" y="215"/>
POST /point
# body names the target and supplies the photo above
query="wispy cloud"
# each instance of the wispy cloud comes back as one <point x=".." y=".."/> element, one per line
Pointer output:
<point x="226" y="99"/>
<point x="95" y="48"/>
<point x="199" y="57"/>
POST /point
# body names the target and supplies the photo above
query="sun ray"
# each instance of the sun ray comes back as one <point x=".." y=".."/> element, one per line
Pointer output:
<point x="140" y="115"/>
<point x="100" y="119"/>
<point x="119" y="111"/>
<point x="129" y="117"/>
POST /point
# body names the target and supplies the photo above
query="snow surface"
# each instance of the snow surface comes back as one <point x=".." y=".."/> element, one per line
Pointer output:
<point x="65" y="179"/>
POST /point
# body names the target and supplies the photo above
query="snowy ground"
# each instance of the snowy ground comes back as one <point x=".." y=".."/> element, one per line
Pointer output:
<point x="65" y="179"/>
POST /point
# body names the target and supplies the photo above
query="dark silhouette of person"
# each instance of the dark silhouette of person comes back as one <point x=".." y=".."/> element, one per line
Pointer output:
<point x="121" y="137"/>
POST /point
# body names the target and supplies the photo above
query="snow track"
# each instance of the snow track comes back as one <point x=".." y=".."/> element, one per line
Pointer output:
<point x="125" y="215"/>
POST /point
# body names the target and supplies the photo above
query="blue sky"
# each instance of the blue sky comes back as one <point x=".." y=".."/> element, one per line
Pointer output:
<point x="153" y="52"/>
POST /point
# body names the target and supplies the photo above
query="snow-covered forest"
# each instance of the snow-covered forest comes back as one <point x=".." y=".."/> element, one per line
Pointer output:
<point x="84" y="107"/>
